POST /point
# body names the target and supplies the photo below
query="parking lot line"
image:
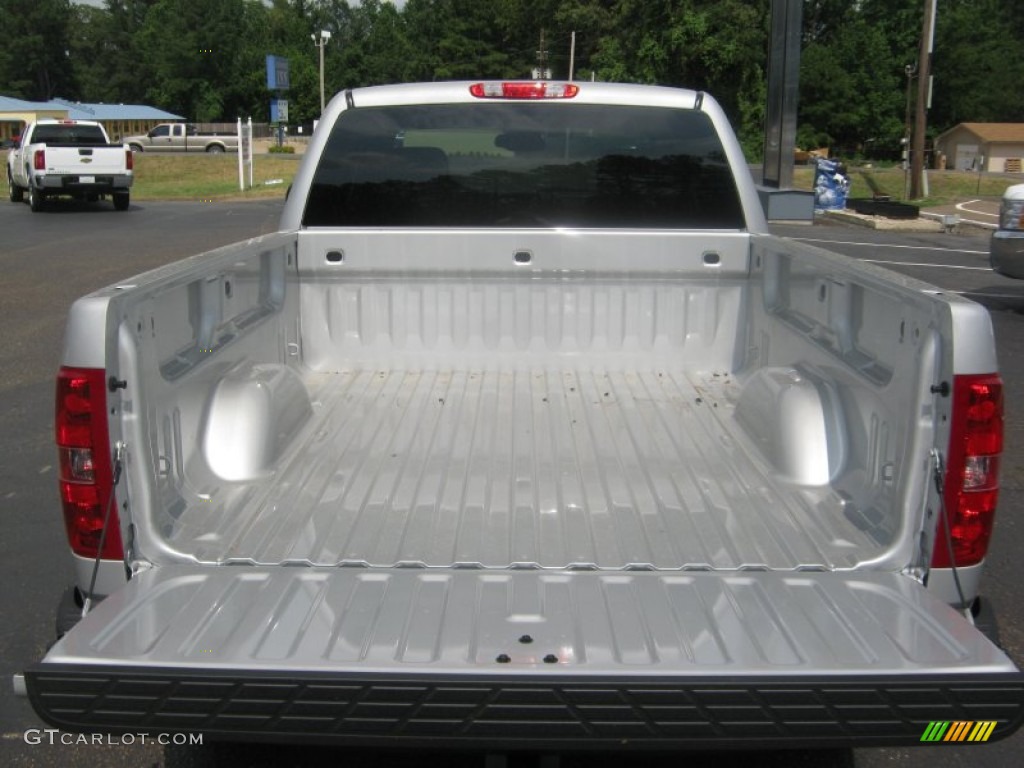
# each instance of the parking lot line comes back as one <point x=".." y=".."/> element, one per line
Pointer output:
<point x="922" y="264"/>
<point x="887" y="245"/>
<point x="963" y="207"/>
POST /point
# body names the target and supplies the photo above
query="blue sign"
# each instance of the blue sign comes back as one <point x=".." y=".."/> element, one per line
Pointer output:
<point x="277" y="73"/>
<point x="278" y="111"/>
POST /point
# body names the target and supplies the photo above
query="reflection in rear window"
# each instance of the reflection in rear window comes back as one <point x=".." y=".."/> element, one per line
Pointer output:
<point x="516" y="164"/>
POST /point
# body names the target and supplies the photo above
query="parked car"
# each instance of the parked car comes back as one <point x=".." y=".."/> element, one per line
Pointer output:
<point x="1006" y="252"/>
<point x="183" y="137"/>
<point x="69" y="158"/>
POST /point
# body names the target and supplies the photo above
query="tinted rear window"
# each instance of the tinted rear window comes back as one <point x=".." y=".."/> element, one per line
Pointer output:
<point x="69" y="135"/>
<point x="516" y="164"/>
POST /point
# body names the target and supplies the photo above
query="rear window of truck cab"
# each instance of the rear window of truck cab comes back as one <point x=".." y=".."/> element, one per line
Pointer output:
<point x="68" y="135"/>
<point x="523" y="164"/>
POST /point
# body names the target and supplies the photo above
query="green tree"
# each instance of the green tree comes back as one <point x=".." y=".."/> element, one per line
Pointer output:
<point x="593" y="22"/>
<point x="197" y="56"/>
<point x="851" y="91"/>
<point x="462" y="39"/>
<point x="289" y="31"/>
<point x="205" y="58"/>
<point x="375" y="46"/>
<point x="978" y="63"/>
<point x="35" y="55"/>
<point x="715" y="45"/>
<point x="105" y="52"/>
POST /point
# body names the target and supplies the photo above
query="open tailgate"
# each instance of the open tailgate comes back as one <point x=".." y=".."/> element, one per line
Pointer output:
<point x="537" y="659"/>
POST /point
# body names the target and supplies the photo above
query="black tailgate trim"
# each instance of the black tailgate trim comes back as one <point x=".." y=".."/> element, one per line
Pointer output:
<point x="534" y="712"/>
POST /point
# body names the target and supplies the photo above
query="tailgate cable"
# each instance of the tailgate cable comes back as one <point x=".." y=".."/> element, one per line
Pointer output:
<point x="118" y="464"/>
<point x="946" y="530"/>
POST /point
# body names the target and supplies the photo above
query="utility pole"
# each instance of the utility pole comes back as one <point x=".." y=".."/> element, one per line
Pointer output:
<point x="908" y="129"/>
<point x="924" y="88"/>
<point x="572" y="55"/>
<point x="542" y="72"/>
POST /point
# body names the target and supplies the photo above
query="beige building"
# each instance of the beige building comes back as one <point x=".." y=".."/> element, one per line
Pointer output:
<point x="996" y="147"/>
<point x="118" y="119"/>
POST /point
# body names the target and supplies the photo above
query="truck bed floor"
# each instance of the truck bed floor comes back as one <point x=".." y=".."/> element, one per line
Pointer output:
<point x="539" y="468"/>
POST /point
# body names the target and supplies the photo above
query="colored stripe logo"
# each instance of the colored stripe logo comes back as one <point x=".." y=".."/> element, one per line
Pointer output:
<point x="959" y="730"/>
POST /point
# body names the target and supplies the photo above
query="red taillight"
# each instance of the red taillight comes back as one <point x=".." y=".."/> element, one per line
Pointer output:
<point x="86" y="478"/>
<point x="39" y="160"/>
<point x="530" y="89"/>
<point x="129" y="159"/>
<point x="972" y="470"/>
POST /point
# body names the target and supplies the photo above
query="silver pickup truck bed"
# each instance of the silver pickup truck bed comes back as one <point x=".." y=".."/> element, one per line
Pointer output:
<point x="451" y="531"/>
<point x="534" y="468"/>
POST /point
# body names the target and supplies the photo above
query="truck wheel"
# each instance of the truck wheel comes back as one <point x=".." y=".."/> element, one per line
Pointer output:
<point x="215" y="149"/>
<point x="121" y="200"/>
<point x="36" y="200"/>
<point x="16" y="192"/>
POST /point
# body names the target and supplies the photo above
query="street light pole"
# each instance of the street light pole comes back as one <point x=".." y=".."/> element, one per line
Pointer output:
<point x="320" y="42"/>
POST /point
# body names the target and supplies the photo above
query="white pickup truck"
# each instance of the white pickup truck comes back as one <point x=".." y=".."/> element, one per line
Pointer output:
<point x="69" y="158"/>
<point x="524" y="433"/>
<point x="182" y="137"/>
<point x="1006" y="250"/>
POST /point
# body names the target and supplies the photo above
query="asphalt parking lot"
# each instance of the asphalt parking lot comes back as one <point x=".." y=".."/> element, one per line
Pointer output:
<point x="981" y="212"/>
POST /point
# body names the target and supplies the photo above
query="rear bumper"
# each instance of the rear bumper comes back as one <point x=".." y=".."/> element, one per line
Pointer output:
<point x="1006" y="253"/>
<point x="80" y="185"/>
<point x="540" y="712"/>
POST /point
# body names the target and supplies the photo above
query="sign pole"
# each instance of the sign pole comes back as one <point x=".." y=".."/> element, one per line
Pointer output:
<point x="278" y="80"/>
<point x="241" y="153"/>
<point x="249" y="131"/>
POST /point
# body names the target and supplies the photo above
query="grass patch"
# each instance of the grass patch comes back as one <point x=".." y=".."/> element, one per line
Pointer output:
<point x="215" y="177"/>
<point x="945" y="187"/>
<point x="209" y="177"/>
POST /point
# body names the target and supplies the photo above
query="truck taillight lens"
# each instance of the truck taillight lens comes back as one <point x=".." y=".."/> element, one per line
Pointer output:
<point x="129" y="159"/>
<point x="39" y="160"/>
<point x="972" y="470"/>
<point x="86" y="477"/>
